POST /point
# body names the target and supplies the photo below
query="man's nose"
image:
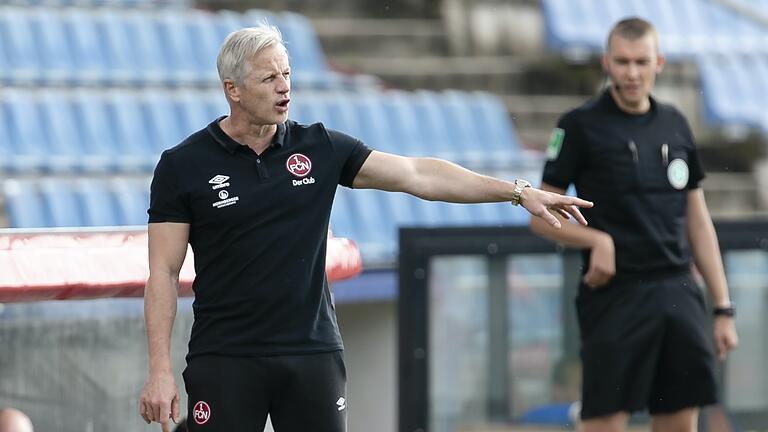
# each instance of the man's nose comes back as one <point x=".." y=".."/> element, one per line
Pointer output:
<point x="283" y="85"/>
<point x="633" y="71"/>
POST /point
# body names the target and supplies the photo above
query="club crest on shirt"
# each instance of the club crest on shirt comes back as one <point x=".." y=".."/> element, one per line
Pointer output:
<point x="555" y="143"/>
<point x="298" y="165"/>
<point x="677" y="173"/>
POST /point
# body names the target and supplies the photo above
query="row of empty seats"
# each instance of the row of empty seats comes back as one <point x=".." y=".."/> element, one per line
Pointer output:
<point x="86" y="130"/>
<point x="686" y="27"/>
<point x="369" y="217"/>
<point x="67" y="202"/>
<point x="130" y="47"/>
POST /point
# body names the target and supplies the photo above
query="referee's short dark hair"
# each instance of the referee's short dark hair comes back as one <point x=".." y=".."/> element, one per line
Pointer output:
<point x="631" y="28"/>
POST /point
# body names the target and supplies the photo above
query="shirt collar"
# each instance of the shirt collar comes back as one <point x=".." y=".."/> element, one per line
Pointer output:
<point x="214" y="128"/>
<point x="609" y="103"/>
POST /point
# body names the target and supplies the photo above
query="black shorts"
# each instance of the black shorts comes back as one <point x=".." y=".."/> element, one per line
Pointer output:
<point x="300" y="393"/>
<point x="645" y="346"/>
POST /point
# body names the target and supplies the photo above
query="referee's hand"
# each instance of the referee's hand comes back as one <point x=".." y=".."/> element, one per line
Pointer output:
<point x="725" y="335"/>
<point x="602" y="262"/>
<point x="159" y="400"/>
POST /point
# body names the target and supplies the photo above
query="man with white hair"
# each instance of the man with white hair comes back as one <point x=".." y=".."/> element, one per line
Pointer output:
<point x="252" y="194"/>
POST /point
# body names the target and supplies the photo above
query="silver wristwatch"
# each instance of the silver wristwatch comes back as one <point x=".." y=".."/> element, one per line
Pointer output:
<point x="517" y="193"/>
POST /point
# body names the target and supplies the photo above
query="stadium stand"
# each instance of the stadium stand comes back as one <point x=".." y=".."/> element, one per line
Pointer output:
<point x="87" y="130"/>
<point x="142" y="47"/>
<point x="726" y="43"/>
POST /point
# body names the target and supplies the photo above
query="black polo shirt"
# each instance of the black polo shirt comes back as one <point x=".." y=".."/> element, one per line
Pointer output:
<point x="258" y="229"/>
<point x="637" y="169"/>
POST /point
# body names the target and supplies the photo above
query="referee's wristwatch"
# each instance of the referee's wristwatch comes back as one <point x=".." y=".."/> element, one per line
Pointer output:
<point x="517" y="192"/>
<point x="725" y="311"/>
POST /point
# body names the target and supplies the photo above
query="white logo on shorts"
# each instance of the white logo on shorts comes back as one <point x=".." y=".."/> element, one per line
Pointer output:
<point x="201" y="413"/>
<point x="341" y="403"/>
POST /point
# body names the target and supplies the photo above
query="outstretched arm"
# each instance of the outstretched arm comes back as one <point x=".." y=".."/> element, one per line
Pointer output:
<point x="439" y="180"/>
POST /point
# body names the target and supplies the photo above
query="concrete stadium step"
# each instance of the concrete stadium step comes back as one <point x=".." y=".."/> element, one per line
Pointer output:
<point x="500" y="74"/>
<point x="384" y="37"/>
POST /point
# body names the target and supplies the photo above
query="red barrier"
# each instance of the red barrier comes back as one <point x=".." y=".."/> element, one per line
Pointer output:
<point x="82" y="265"/>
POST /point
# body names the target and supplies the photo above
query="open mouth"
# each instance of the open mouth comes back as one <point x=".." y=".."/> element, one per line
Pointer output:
<point x="283" y="103"/>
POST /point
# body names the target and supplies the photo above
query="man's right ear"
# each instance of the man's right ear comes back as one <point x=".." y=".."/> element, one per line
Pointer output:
<point x="231" y="90"/>
<point x="604" y="63"/>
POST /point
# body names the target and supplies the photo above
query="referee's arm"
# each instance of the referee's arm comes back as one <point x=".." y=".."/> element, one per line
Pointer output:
<point x="706" y="253"/>
<point x="603" y="258"/>
<point x="159" y="399"/>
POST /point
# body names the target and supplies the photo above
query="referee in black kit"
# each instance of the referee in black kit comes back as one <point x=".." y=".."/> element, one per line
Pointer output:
<point x="641" y="314"/>
<point x="252" y="194"/>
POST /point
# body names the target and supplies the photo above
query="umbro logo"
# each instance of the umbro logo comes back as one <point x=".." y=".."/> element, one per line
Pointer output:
<point x="218" y="179"/>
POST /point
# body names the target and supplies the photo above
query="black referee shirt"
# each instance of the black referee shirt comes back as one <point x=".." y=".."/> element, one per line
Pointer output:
<point x="258" y="228"/>
<point x="637" y="169"/>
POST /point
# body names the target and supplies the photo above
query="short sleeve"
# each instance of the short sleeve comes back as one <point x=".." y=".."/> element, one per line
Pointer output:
<point x="350" y="152"/>
<point x="566" y="152"/>
<point x="696" y="169"/>
<point x="167" y="202"/>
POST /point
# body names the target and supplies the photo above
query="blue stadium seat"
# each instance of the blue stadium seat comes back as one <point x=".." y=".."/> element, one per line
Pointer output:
<point x="183" y="58"/>
<point x="27" y="138"/>
<point x="130" y="132"/>
<point x="56" y="59"/>
<point x="402" y="123"/>
<point x="340" y="113"/>
<point x="86" y="46"/>
<point x="57" y="119"/>
<point x="62" y="205"/>
<point x="6" y="149"/>
<point x="376" y="129"/>
<point x="150" y="50"/>
<point x="21" y="52"/>
<point x="162" y="112"/>
<point x="24" y="205"/>
<point x="215" y="103"/>
<point x="194" y="114"/>
<point x="132" y="198"/>
<point x="436" y="133"/>
<point x="95" y="127"/>
<point x="400" y="208"/>
<point x="99" y="207"/>
<point x="376" y="235"/>
<point x="343" y="219"/>
<point x="120" y="55"/>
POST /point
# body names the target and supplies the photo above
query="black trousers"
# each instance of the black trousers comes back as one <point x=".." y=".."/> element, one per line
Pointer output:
<point x="300" y="393"/>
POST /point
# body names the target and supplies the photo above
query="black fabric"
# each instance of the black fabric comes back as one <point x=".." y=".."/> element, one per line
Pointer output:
<point x="300" y="393"/>
<point x="617" y="160"/>
<point x="645" y="345"/>
<point x="258" y="229"/>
